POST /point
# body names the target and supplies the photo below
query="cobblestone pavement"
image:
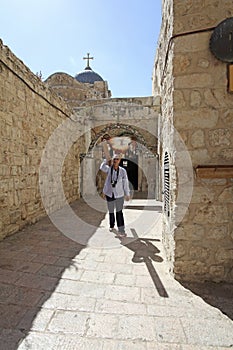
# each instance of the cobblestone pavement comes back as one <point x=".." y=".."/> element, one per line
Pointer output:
<point x="112" y="294"/>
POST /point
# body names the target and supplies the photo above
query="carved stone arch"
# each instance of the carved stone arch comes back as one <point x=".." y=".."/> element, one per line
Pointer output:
<point x="123" y="128"/>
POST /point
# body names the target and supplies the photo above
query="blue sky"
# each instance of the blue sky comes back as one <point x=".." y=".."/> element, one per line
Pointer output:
<point x="54" y="35"/>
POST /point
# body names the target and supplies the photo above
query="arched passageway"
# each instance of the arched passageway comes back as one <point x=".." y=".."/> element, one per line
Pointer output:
<point x="139" y="158"/>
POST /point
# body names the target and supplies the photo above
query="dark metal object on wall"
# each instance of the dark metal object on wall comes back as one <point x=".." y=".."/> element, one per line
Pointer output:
<point x="221" y="41"/>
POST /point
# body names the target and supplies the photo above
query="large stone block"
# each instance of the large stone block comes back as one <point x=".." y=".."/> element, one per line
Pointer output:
<point x="179" y="100"/>
<point x="195" y="98"/>
<point x="217" y="273"/>
<point x="181" y="64"/>
<point x="213" y="182"/>
<point x="226" y="154"/>
<point x="226" y="195"/>
<point x="219" y="232"/>
<point x="193" y="81"/>
<point x="227" y="117"/>
<point x="211" y="214"/>
<point x="200" y="156"/>
<point x="191" y="119"/>
<point x="203" y="195"/>
<point x="180" y="249"/>
<point x="198" y="139"/>
<point x="220" y="137"/>
<point x="193" y="43"/>
<point x="223" y="255"/>
<point x="189" y="232"/>
<point x="198" y="253"/>
<point x="210" y="98"/>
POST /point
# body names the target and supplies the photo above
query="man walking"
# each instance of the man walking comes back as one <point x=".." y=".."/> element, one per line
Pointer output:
<point x="115" y="188"/>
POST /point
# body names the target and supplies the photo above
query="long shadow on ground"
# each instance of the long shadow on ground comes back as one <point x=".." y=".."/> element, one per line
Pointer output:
<point x="31" y="265"/>
<point x="146" y="252"/>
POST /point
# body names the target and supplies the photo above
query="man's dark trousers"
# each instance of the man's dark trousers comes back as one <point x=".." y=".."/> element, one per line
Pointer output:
<point x="116" y="203"/>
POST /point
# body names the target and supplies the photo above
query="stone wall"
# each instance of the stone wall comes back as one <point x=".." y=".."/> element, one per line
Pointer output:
<point x="74" y="92"/>
<point x="29" y="114"/>
<point x="193" y="87"/>
<point x="163" y="85"/>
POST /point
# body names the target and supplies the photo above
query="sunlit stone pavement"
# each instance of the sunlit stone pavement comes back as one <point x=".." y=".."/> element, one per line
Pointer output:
<point x="110" y="294"/>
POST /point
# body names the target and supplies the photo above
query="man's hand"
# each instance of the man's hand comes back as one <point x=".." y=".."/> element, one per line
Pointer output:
<point x="127" y="198"/>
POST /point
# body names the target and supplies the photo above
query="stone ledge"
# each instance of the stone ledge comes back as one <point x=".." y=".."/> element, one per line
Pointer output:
<point x="214" y="171"/>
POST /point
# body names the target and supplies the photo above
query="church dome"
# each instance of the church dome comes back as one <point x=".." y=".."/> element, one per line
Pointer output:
<point x="88" y="76"/>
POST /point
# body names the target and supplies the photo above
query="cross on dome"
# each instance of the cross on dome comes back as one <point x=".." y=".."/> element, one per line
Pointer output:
<point x="88" y="75"/>
<point x="88" y="58"/>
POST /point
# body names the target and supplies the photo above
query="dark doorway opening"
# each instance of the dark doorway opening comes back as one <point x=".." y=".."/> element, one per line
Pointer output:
<point x="131" y="166"/>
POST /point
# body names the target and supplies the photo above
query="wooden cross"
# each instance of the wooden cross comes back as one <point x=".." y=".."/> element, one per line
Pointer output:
<point x="88" y="58"/>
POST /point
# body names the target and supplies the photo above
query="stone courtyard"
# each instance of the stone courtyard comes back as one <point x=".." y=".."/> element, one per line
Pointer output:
<point x="111" y="294"/>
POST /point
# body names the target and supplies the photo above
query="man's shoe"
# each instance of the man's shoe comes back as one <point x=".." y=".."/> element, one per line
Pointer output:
<point x="111" y="229"/>
<point x="121" y="234"/>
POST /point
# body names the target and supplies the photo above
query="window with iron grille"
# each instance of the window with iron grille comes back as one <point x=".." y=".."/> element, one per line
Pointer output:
<point x="166" y="185"/>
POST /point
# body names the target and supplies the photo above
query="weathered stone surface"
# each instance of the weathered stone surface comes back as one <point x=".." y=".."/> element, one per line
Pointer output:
<point x="180" y="250"/>
<point x="219" y="232"/>
<point x="190" y="232"/>
<point x="181" y="63"/>
<point x="24" y="130"/>
<point x="224" y="255"/>
<point x="203" y="63"/>
<point x="198" y="139"/>
<point x="69" y="322"/>
<point x="220" y="137"/>
<point x="194" y="118"/>
<point x="227" y="195"/>
<point x="198" y="253"/>
<point x="103" y="326"/>
<point x="120" y="307"/>
<point x="202" y="195"/>
<point x="200" y="157"/>
<point x="74" y="92"/>
<point x="226" y="154"/>
<point x="217" y="272"/>
<point x="145" y="329"/>
<point x="193" y="81"/>
<point x="179" y="99"/>
<point x="211" y="214"/>
<point x="193" y="43"/>
<point x="194" y="99"/>
<point x="214" y="182"/>
<point x="210" y="98"/>
<point x="227" y="116"/>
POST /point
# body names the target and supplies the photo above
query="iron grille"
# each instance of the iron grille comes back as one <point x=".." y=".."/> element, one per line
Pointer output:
<point x="166" y="185"/>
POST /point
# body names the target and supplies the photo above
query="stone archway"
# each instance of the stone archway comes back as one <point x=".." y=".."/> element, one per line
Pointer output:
<point x="141" y="168"/>
<point x="115" y="129"/>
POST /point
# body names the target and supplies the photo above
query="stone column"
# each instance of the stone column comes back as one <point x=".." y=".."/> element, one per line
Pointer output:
<point x="89" y="177"/>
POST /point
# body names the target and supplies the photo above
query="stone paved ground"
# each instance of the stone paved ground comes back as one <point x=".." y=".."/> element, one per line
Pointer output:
<point x="109" y="295"/>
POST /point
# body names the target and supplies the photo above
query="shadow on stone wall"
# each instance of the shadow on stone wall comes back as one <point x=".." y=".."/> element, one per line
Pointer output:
<point x="32" y="263"/>
<point x="218" y="295"/>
